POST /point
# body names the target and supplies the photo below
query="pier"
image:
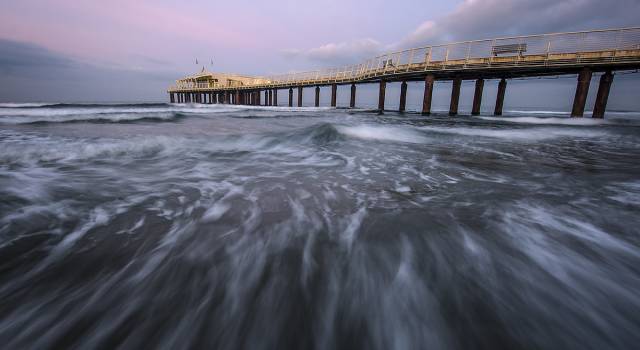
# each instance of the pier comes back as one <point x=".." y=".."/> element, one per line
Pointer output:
<point x="582" y="54"/>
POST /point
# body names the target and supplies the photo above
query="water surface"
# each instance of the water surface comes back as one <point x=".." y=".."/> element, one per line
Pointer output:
<point x="185" y="226"/>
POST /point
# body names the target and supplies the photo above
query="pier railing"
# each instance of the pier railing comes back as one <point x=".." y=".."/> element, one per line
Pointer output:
<point x="559" y="49"/>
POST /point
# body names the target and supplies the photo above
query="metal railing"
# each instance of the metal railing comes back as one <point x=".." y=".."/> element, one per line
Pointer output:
<point x="586" y="47"/>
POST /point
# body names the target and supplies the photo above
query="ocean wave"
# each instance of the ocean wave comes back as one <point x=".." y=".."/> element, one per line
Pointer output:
<point x="550" y="120"/>
<point x="80" y="105"/>
<point x="94" y="118"/>
<point x="383" y="133"/>
<point x="530" y="134"/>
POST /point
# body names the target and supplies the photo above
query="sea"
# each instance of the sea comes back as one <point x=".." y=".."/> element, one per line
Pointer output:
<point x="183" y="226"/>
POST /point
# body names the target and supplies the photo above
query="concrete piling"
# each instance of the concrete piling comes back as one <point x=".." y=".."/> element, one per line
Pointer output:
<point x="290" y="97"/>
<point x="317" y="102"/>
<point x="582" y="90"/>
<point x="381" y="95"/>
<point x="352" y="101"/>
<point x="603" y="95"/>
<point x="429" y="80"/>
<point x="455" y="96"/>
<point x="502" y="89"/>
<point x="334" y="94"/>
<point x="403" y="96"/>
<point x="477" y="97"/>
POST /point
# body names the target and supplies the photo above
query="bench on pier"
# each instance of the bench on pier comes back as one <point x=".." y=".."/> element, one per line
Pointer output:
<point x="509" y="48"/>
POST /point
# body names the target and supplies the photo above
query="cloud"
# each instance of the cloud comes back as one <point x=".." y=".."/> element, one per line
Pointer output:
<point x="481" y="19"/>
<point x="28" y="59"/>
<point x="338" y="53"/>
<point x="30" y="72"/>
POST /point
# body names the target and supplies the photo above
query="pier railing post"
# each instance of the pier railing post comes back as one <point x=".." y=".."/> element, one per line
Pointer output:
<point x="381" y="95"/>
<point x="299" y="96"/>
<point x="290" y="97"/>
<point x="352" y="102"/>
<point x="317" y="102"/>
<point x="403" y="96"/>
<point x="428" y="94"/>
<point x="502" y="89"/>
<point x="455" y="96"/>
<point x="477" y="97"/>
<point x="582" y="90"/>
<point x="334" y="94"/>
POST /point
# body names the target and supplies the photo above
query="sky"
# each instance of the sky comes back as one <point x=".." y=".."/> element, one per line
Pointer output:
<point x="119" y="50"/>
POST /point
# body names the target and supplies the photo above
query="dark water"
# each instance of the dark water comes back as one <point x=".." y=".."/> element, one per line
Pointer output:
<point x="151" y="226"/>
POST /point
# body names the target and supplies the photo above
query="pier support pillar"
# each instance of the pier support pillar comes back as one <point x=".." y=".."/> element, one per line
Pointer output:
<point x="334" y="94"/>
<point x="258" y="97"/>
<point x="477" y="97"/>
<point x="403" y="96"/>
<point x="275" y="97"/>
<point x="502" y="89"/>
<point x="290" y="97"/>
<point x="603" y="95"/>
<point x="381" y="95"/>
<point x="455" y="96"/>
<point x="299" y="96"/>
<point x="171" y="98"/>
<point x="238" y="97"/>
<point x="429" y="80"/>
<point x="317" y="104"/>
<point x="270" y="97"/>
<point x="582" y="90"/>
<point x="352" y="101"/>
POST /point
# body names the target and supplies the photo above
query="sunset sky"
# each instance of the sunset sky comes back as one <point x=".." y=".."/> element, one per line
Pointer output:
<point x="119" y="50"/>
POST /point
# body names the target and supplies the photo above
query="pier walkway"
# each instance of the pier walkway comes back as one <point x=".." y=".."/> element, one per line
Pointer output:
<point x="581" y="53"/>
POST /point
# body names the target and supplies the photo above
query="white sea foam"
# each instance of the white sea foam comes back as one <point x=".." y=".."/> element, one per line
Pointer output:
<point x="518" y="134"/>
<point x="19" y="105"/>
<point x="383" y="133"/>
<point x="549" y="120"/>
